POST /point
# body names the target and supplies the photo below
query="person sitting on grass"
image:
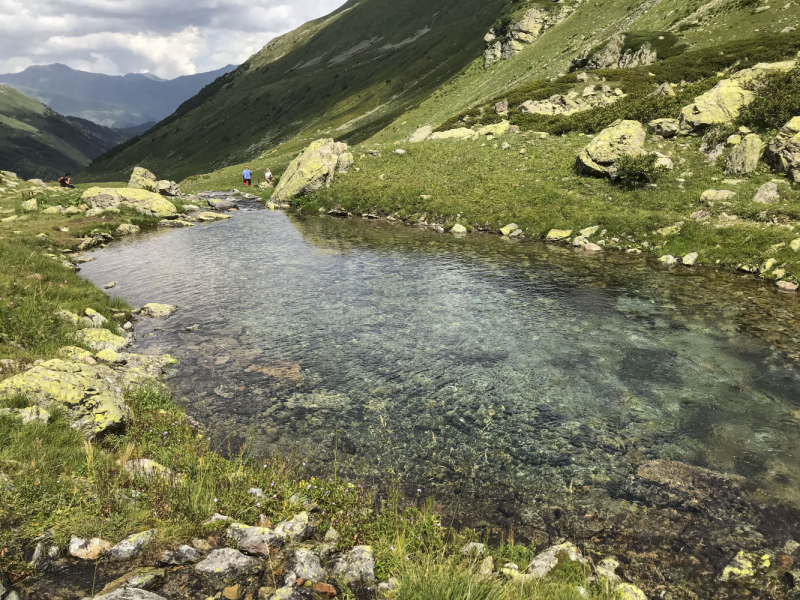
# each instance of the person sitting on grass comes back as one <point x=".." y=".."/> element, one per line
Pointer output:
<point x="268" y="176"/>
<point x="65" y="181"/>
<point x="247" y="177"/>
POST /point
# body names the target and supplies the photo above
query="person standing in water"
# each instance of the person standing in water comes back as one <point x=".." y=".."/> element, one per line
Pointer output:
<point x="247" y="177"/>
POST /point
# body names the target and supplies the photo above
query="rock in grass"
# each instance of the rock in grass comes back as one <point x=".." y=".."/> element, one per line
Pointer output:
<point x="628" y="591"/>
<point x="254" y="540"/>
<point x="142" y="179"/>
<point x="487" y="567"/>
<point x="294" y="529"/>
<point x="783" y="151"/>
<point x="421" y="134"/>
<point x="473" y="548"/>
<point x="313" y="169"/>
<point x="73" y="353"/>
<point x="606" y="569"/>
<point x="157" y="311"/>
<point x="458" y="228"/>
<point x="460" y="133"/>
<point x="228" y="564"/>
<point x="132" y="545"/>
<point x="496" y="129"/>
<point x="69" y="317"/>
<point x="600" y="157"/>
<point x="547" y="560"/>
<point x="30" y="205"/>
<point x="141" y="200"/>
<point x="34" y="414"/>
<point x="509" y="229"/>
<point x="356" y="565"/>
<point x="588" y="232"/>
<point x="558" y="235"/>
<point x="717" y="195"/>
<point x="90" y="549"/>
<point x="90" y="395"/>
<point x="148" y="469"/>
<point x="767" y="194"/>
<point x="744" y="158"/>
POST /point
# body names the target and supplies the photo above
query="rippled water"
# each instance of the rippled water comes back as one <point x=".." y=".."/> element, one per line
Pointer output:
<point x="497" y="372"/>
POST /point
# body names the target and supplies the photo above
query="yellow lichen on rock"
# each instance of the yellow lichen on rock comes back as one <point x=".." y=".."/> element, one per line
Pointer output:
<point x="157" y="311"/>
<point x="100" y="339"/>
<point x="142" y="179"/>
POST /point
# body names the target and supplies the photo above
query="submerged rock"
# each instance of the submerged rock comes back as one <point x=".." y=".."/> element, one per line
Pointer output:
<point x="90" y="395"/>
<point x="127" y="229"/>
<point x="207" y="217"/>
<point x="157" y="311"/>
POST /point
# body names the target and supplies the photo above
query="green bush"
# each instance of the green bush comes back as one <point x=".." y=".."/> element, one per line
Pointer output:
<point x="638" y="171"/>
<point x="777" y="101"/>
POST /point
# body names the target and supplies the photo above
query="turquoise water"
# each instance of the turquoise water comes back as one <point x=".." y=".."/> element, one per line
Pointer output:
<point x="477" y="370"/>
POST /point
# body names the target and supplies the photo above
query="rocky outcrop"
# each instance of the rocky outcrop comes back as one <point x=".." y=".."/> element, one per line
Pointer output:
<point x="506" y="44"/>
<point x="571" y="103"/>
<point x="356" y="565"/>
<point x="421" y="134"/>
<point x="783" y="151"/>
<point x="312" y="170"/>
<point x="228" y="563"/>
<point x="142" y="179"/>
<point x="744" y="157"/>
<point x="167" y="188"/>
<point x="600" y="157"/>
<point x="460" y="133"/>
<point x="722" y="103"/>
<point x="614" y="55"/>
<point x="143" y="201"/>
<point x="91" y="395"/>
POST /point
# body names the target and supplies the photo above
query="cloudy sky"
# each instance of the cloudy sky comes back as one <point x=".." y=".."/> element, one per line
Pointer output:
<point x="165" y="37"/>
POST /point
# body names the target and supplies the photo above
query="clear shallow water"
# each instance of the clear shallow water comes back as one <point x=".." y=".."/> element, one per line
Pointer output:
<point x="481" y="371"/>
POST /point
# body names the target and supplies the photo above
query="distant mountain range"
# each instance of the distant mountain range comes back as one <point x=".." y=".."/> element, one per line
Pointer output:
<point x="122" y="102"/>
<point x="37" y="142"/>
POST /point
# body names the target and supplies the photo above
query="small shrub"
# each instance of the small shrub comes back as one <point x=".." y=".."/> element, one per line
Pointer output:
<point x="638" y="171"/>
<point x="777" y="101"/>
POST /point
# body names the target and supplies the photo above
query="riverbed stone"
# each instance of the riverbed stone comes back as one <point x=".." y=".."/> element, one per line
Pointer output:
<point x="132" y="546"/>
<point x="157" y="311"/>
<point x="306" y="565"/>
<point x="208" y="217"/>
<point x="91" y="395"/>
<point x="558" y="235"/>
<point x="356" y="565"/>
<point x="592" y="248"/>
<point x="668" y="260"/>
<point x="100" y="339"/>
<point x="129" y="593"/>
<point x="127" y="229"/>
<point x="143" y="578"/>
<point x="175" y="223"/>
<point x="254" y="540"/>
<point x="543" y="563"/>
<point x="743" y="566"/>
<point x="313" y="169"/>
<point x="142" y="179"/>
<point x="690" y="259"/>
<point x="787" y="286"/>
<point x="767" y="194"/>
<point x="228" y="563"/>
<point x="458" y="228"/>
<point x="600" y="157"/>
<point x="90" y="549"/>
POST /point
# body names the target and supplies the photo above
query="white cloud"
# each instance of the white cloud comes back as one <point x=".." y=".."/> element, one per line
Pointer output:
<point x="162" y="37"/>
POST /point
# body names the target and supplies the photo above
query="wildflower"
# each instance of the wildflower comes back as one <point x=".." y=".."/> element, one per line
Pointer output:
<point x="258" y="504"/>
<point x="419" y="490"/>
<point x="215" y="499"/>
<point x="391" y="548"/>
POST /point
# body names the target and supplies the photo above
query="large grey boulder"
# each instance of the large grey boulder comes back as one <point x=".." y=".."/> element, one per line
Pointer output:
<point x="356" y="565"/>
<point x="313" y="169"/>
<point x="767" y="194"/>
<point x="666" y="128"/>
<point x="600" y="157"/>
<point x="783" y="151"/>
<point x="228" y="563"/>
<point x="421" y="134"/>
<point x="744" y="157"/>
<point x="168" y="188"/>
<point x="254" y="540"/>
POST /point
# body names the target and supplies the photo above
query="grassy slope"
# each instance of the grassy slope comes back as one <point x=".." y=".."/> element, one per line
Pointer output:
<point x="37" y="142"/>
<point x="320" y="87"/>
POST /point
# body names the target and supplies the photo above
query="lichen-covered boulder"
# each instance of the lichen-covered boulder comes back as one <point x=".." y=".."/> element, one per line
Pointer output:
<point x="600" y="157"/>
<point x="208" y="217"/>
<point x="294" y="529"/>
<point x="783" y="151"/>
<point x="722" y="103"/>
<point x="167" y="188"/>
<point x="30" y="205"/>
<point x="460" y="133"/>
<point x="90" y="395"/>
<point x="666" y="128"/>
<point x="421" y="134"/>
<point x="98" y="197"/>
<point x="495" y="129"/>
<point x="356" y="565"/>
<point x="157" y="311"/>
<point x="100" y="339"/>
<point x="147" y="203"/>
<point x="312" y="170"/>
<point x="142" y="179"/>
<point x="346" y="160"/>
<point x="253" y="540"/>
<point x="306" y="565"/>
<point x="744" y="157"/>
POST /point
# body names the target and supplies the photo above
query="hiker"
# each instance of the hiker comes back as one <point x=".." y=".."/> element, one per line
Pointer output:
<point x="247" y="177"/>
<point x="65" y="181"/>
<point x="268" y="176"/>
